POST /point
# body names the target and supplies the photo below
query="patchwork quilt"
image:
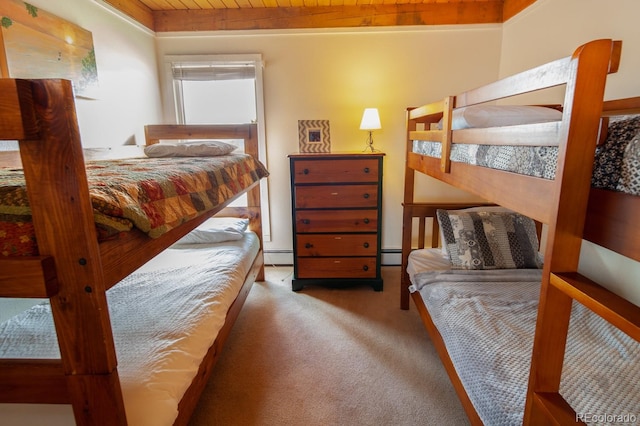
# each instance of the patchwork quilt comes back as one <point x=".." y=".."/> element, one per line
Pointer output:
<point x="154" y="195"/>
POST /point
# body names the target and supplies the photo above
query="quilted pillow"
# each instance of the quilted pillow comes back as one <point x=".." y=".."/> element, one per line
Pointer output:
<point x="445" y="252"/>
<point x="489" y="239"/>
<point x="192" y="149"/>
<point x="216" y="230"/>
<point x="617" y="160"/>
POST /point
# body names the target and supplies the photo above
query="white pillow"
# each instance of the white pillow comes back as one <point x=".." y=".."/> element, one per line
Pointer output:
<point x="192" y="149"/>
<point x="501" y="115"/>
<point x="216" y="230"/>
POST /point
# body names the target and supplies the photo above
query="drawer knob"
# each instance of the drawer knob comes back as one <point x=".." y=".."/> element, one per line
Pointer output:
<point x="365" y="268"/>
<point x="306" y="221"/>
<point x="366" y="245"/>
<point x="366" y="196"/>
<point x="308" y="245"/>
<point x="305" y="171"/>
<point x="366" y="170"/>
<point x="366" y="220"/>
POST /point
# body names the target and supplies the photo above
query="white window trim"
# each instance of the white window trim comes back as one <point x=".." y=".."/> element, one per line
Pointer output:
<point x="171" y="114"/>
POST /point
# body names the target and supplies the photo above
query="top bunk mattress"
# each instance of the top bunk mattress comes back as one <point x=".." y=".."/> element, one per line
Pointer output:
<point x="154" y="195"/>
<point x="617" y="161"/>
<point x="164" y="316"/>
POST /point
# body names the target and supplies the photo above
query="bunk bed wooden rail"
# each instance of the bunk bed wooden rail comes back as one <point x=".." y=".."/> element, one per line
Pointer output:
<point x="579" y="71"/>
<point x="74" y="270"/>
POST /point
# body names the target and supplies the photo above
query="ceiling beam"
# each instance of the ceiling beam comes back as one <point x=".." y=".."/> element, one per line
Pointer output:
<point x="513" y="7"/>
<point x="378" y="15"/>
<point x="371" y="15"/>
<point x="134" y="9"/>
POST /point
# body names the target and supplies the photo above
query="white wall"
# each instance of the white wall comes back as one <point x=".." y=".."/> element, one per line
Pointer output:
<point x="129" y="92"/>
<point x="334" y="75"/>
<point x="551" y="29"/>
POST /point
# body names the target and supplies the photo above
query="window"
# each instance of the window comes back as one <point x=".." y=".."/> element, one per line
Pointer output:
<point x="219" y="89"/>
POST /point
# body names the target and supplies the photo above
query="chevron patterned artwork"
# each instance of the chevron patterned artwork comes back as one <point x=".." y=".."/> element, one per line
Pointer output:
<point x="314" y="136"/>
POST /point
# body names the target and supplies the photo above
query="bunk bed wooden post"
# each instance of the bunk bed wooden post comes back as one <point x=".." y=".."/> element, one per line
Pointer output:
<point x="409" y="179"/>
<point x="79" y="308"/>
<point x="583" y="103"/>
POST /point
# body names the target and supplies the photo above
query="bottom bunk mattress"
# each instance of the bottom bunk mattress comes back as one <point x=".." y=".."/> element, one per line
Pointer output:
<point x="487" y="321"/>
<point x="165" y="316"/>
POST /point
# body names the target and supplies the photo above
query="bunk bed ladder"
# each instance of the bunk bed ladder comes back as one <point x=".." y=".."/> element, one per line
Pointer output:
<point x="40" y="114"/>
<point x="561" y="282"/>
<point x="612" y="308"/>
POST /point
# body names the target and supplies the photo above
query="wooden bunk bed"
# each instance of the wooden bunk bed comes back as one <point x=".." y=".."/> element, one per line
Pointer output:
<point x="74" y="268"/>
<point x="565" y="203"/>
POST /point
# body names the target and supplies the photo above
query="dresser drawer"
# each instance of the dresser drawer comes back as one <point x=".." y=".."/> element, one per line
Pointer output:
<point x="336" y="267"/>
<point x="336" y="244"/>
<point x="339" y="196"/>
<point x="336" y="221"/>
<point x="336" y="170"/>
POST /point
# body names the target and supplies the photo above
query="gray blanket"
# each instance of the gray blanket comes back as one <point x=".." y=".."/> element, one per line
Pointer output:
<point x="487" y="321"/>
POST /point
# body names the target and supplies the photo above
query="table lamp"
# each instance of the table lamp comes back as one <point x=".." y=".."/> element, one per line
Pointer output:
<point x="370" y="122"/>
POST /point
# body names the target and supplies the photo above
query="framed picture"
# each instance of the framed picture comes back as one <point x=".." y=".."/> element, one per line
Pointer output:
<point x="37" y="44"/>
<point x="313" y="136"/>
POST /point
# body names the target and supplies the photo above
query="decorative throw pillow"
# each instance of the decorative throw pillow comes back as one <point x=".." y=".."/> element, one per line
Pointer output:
<point x="216" y="230"/>
<point x="192" y="149"/>
<point x="616" y="161"/>
<point x="489" y="239"/>
<point x="471" y="209"/>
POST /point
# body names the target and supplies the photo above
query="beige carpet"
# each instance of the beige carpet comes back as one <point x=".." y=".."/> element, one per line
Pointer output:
<point x="326" y="356"/>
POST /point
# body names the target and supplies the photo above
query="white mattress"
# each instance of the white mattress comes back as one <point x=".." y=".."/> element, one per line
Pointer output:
<point x="487" y="320"/>
<point x="164" y="317"/>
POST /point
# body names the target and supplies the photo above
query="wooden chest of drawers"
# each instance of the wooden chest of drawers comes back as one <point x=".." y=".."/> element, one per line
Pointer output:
<point x="336" y="214"/>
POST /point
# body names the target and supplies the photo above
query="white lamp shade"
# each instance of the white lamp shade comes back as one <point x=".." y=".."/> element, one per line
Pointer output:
<point x="370" y="119"/>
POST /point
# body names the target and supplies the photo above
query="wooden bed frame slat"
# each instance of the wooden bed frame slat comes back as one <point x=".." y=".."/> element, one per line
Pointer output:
<point x="613" y="308"/>
<point x="540" y="134"/>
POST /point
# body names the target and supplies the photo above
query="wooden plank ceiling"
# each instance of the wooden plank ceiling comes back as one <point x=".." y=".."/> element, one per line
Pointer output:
<point x="216" y="15"/>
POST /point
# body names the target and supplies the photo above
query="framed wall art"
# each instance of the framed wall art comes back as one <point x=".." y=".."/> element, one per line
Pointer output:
<point x="37" y="44"/>
<point x="314" y="136"/>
